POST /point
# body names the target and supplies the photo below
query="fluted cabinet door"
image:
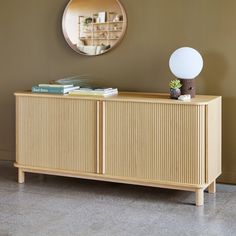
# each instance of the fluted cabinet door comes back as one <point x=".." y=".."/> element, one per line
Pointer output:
<point x="56" y="133"/>
<point x="151" y="141"/>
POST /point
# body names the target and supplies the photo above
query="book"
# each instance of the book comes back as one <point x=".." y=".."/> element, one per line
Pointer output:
<point x="98" y="89"/>
<point x="93" y="94"/>
<point x="56" y="85"/>
<point x="57" y="90"/>
<point x="98" y="92"/>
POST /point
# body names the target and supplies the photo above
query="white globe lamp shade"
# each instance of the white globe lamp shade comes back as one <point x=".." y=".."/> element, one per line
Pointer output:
<point x="186" y="63"/>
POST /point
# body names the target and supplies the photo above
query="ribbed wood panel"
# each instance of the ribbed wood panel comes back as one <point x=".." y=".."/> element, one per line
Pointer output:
<point x="213" y="140"/>
<point x="164" y="142"/>
<point x="57" y="133"/>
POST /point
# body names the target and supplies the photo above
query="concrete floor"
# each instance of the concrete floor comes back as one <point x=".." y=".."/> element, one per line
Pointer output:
<point x="61" y="206"/>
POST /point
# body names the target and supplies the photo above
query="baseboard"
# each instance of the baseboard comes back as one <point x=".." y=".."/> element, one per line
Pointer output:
<point x="227" y="178"/>
<point x="7" y="155"/>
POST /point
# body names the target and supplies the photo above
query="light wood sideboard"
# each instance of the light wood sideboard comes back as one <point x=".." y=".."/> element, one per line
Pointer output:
<point x="136" y="138"/>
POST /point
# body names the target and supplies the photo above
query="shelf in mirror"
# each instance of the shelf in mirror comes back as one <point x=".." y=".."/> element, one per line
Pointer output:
<point x="107" y="22"/>
<point x="100" y="38"/>
<point x="106" y="31"/>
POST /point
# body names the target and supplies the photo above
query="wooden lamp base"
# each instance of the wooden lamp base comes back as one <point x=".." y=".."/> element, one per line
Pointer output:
<point x="188" y="87"/>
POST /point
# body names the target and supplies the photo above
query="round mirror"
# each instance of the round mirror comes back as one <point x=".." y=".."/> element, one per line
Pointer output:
<point x="94" y="27"/>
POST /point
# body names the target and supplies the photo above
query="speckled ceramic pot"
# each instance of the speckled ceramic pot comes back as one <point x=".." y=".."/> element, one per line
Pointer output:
<point x="175" y="93"/>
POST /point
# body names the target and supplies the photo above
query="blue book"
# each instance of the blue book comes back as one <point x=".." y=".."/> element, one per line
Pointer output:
<point x="58" y="90"/>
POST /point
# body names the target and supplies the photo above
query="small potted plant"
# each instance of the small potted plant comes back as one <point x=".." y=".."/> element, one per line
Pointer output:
<point x="175" y="86"/>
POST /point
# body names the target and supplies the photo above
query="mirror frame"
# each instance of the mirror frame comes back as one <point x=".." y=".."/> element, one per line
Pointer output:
<point x="125" y="25"/>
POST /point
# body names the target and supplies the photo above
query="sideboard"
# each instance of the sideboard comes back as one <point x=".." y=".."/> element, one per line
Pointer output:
<point x="136" y="138"/>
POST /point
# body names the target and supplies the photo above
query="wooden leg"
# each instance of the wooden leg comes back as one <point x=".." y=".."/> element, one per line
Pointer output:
<point x="212" y="187"/>
<point x="199" y="197"/>
<point x="21" y="176"/>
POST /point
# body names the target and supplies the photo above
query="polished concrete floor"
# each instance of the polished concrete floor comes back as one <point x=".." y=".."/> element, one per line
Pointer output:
<point x="58" y="206"/>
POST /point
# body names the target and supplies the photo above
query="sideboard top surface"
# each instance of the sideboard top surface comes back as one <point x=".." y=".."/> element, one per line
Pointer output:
<point x="128" y="96"/>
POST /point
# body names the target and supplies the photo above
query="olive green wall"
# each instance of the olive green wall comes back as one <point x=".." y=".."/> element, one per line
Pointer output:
<point x="33" y="50"/>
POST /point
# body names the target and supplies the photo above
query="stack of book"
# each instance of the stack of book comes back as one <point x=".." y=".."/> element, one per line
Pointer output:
<point x="95" y="91"/>
<point x="54" y="88"/>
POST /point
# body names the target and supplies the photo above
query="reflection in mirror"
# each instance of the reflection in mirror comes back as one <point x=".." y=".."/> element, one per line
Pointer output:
<point x="93" y="27"/>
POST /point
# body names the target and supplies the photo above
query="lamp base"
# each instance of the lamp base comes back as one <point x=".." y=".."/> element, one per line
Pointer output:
<point x="188" y="87"/>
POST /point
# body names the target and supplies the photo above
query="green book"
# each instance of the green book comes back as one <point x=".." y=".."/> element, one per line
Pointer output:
<point x="58" y="90"/>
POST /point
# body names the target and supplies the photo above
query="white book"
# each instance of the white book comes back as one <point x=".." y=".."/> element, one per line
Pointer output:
<point x="66" y="90"/>
<point x="88" y="91"/>
<point x="94" y="93"/>
<point x="106" y="90"/>
<point x="98" y="90"/>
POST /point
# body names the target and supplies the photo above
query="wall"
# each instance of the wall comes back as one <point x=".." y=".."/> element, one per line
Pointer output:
<point x="33" y="50"/>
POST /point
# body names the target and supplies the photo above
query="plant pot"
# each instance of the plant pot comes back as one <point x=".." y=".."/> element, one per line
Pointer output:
<point x="175" y="93"/>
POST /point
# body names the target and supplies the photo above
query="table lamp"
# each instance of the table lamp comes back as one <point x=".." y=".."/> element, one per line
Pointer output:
<point x="186" y="64"/>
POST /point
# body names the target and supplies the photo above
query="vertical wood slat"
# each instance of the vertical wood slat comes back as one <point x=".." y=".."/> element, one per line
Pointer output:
<point x="98" y="137"/>
<point x="103" y="127"/>
<point x="101" y="119"/>
<point x="155" y="141"/>
<point x="17" y="129"/>
<point x="57" y="133"/>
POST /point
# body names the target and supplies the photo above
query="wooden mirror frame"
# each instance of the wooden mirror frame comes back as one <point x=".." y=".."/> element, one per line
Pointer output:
<point x="75" y="48"/>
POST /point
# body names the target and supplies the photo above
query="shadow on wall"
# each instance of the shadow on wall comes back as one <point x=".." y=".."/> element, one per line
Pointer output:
<point x="228" y="139"/>
<point x="214" y="76"/>
<point x="214" y="72"/>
